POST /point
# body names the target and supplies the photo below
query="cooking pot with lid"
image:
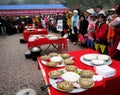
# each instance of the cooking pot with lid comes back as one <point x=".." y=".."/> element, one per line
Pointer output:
<point x="35" y="52"/>
<point x="24" y="90"/>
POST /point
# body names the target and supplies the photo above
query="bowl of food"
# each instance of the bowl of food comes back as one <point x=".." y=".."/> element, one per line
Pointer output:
<point x="104" y="57"/>
<point x="65" y="55"/>
<point x="70" y="76"/>
<point x="68" y="61"/>
<point x="65" y="86"/>
<point x="53" y="54"/>
<point x="71" y="68"/>
<point x="97" y="62"/>
<point x="57" y="59"/>
<point x="86" y="83"/>
<point x="89" y="57"/>
<point x="87" y="73"/>
<point x="45" y="57"/>
<point x="55" y="74"/>
<point x="51" y="64"/>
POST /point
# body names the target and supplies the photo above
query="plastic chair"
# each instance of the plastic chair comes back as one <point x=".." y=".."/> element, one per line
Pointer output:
<point x="63" y="45"/>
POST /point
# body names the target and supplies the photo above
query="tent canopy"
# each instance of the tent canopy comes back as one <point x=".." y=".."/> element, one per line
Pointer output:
<point x="32" y="6"/>
<point x="30" y="9"/>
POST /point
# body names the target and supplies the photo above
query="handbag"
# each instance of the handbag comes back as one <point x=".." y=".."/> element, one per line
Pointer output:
<point x="81" y="39"/>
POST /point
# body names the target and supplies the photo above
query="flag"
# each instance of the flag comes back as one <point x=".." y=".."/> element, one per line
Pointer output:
<point x="102" y="47"/>
<point x="96" y="46"/>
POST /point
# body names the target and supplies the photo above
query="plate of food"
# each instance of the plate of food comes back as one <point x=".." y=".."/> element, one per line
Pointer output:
<point x="57" y="60"/>
<point x="95" y="59"/>
<point x="65" y="55"/>
<point x="53" y="38"/>
<point x="104" y="57"/>
<point x="72" y="81"/>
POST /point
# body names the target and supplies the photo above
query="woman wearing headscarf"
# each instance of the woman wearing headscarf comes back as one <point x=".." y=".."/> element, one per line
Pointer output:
<point x="75" y="26"/>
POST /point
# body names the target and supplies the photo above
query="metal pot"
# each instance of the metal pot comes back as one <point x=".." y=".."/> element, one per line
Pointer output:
<point x="35" y="49"/>
<point x="35" y="52"/>
<point x="25" y="91"/>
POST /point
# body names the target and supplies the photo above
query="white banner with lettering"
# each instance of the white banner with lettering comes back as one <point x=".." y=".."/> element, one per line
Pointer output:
<point x="60" y="25"/>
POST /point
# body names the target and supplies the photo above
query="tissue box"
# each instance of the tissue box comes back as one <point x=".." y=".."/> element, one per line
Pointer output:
<point x="105" y="71"/>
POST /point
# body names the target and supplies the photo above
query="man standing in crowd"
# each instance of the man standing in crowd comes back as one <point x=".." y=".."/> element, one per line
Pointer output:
<point x="3" y="26"/>
<point x="75" y="26"/>
<point x="100" y="10"/>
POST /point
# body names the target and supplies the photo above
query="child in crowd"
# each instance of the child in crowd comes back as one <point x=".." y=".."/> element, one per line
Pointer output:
<point x="90" y="40"/>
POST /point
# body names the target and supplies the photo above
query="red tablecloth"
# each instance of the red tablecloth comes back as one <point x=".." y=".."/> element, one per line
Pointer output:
<point x="42" y="41"/>
<point x="27" y="33"/>
<point x="108" y="86"/>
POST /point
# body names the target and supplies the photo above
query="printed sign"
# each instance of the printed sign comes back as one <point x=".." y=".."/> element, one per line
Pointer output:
<point x="60" y="25"/>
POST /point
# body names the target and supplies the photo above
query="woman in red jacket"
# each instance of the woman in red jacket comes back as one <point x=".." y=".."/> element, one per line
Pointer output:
<point x="101" y="31"/>
<point x="115" y="24"/>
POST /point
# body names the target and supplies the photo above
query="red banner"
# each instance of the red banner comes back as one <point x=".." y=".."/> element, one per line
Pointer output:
<point x="30" y="12"/>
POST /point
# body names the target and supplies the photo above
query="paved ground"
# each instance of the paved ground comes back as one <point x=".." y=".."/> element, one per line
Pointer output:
<point x="16" y="70"/>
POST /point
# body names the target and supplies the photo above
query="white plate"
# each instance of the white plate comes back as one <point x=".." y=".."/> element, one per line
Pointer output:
<point x="49" y="35"/>
<point x="39" y="30"/>
<point x="89" y="62"/>
<point x="29" y="29"/>
<point x="56" y="59"/>
<point x="33" y="28"/>
<point x="103" y="57"/>
<point x="90" y="57"/>
<point x="41" y="37"/>
<point x="31" y="39"/>
<point x="53" y="38"/>
<point x="70" y="76"/>
<point x="36" y="35"/>
<point x="98" y="62"/>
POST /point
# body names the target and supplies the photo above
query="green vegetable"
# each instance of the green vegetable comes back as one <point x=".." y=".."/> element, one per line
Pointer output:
<point x="78" y="72"/>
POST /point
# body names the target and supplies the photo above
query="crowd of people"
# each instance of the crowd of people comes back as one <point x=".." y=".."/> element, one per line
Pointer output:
<point x="83" y="28"/>
<point x="94" y="26"/>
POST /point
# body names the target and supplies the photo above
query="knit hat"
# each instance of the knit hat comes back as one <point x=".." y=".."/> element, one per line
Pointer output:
<point x="75" y="11"/>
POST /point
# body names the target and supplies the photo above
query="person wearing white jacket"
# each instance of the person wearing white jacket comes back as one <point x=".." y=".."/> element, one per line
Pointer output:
<point x="75" y="26"/>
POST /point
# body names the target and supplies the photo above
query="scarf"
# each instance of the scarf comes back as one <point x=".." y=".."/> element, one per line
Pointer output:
<point x="75" y="20"/>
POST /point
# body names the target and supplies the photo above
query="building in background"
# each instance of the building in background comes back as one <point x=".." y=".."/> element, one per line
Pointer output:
<point x="52" y="1"/>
